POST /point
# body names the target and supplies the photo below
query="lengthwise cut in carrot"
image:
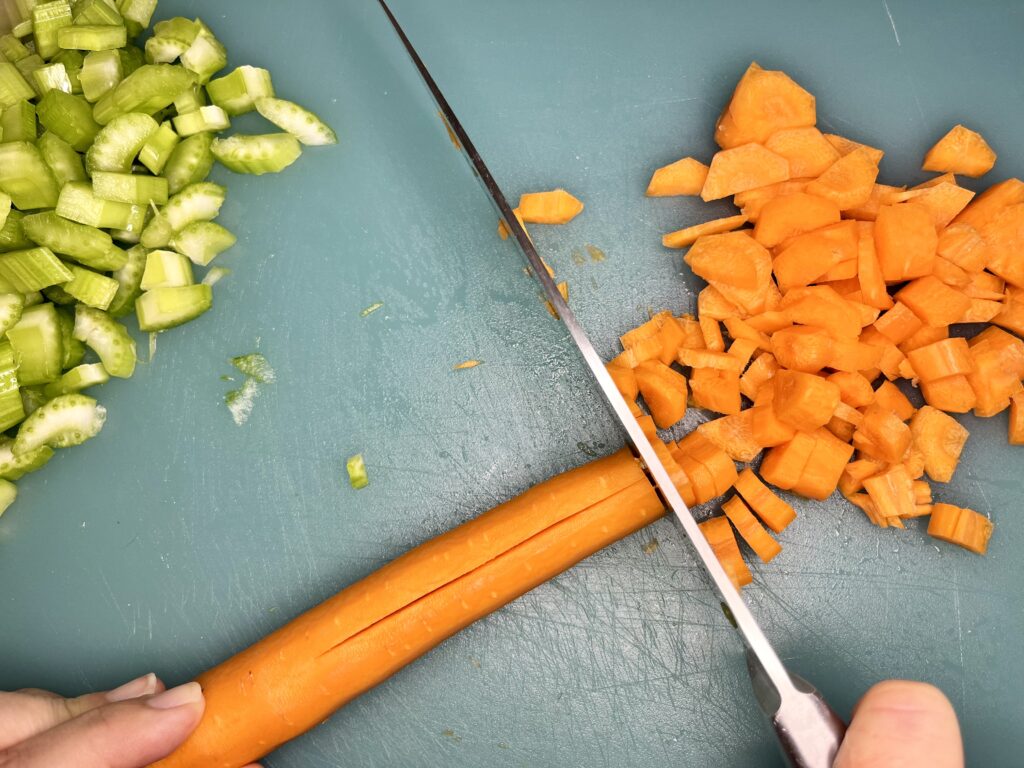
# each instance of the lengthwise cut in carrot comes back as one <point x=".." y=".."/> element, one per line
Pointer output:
<point x="554" y="207"/>
<point x="893" y="492"/>
<point x="963" y="527"/>
<point x="960" y="151"/>
<point x="683" y="177"/>
<point x="296" y="677"/>
<point x="824" y="467"/>
<point x="773" y="511"/>
<point x="751" y="531"/>
<point x="719" y="534"/>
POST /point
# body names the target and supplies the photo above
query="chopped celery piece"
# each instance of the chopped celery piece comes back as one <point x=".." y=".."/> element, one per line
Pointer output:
<point x="32" y="298"/>
<point x="74" y="350"/>
<point x="166" y="269"/>
<point x="132" y="57"/>
<point x="52" y="77"/>
<point x="18" y="122"/>
<point x="5" y="209"/>
<point x="36" y="339"/>
<point x="214" y="275"/>
<point x="32" y="269"/>
<point x="78" y="203"/>
<point x="58" y="296"/>
<point x="158" y="148"/>
<point x="108" y="339"/>
<point x="47" y="20"/>
<point x="164" y="50"/>
<point x="119" y="141"/>
<point x="190" y="162"/>
<point x="65" y="421"/>
<point x="269" y="153"/>
<point x="148" y="89"/>
<point x="89" y="12"/>
<point x="26" y="177"/>
<point x="206" y="56"/>
<point x="13" y="467"/>
<point x="12" y="235"/>
<point x="164" y="308"/>
<point x="70" y="117"/>
<point x="8" y="495"/>
<point x="11" y="307"/>
<point x="211" y="118"/>
<point x="132" y="231"/>
<point x="177" y="28"/>
<point x="129" y="281"/>
<point x="91" y="288"/>
<point x="101" y="71"/>
<point x="190" y="99"/>
<point x="197" y="202"/>
<point x="62" y="159"/>
<point x="236" y="93"/>
<point x="356" y="468"/>
<point x="13" y="85"/>
<point x="201" y="241"/>
<point x="85" y="244"/>
<point x="12" y="49"/>
<point x="299" y="122"/>
<point x="129" y="188"/>
<point x="92" y="37"/>
<point x="78" y="378"/>
<point x="32" y="399"/>
<point x="12" y="409"/>
<point x="139" y="11"/>
<point x="72" y="61"/>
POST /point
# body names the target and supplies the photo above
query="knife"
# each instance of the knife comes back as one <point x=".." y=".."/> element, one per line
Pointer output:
<point x="808" y="730"/>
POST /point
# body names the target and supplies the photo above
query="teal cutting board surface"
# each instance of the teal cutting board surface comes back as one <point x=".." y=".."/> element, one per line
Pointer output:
<point x="177" y="537"/>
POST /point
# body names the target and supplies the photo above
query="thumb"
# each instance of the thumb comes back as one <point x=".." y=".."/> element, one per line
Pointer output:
<point x="902" y="724"/>
<point x="128" y="734"/>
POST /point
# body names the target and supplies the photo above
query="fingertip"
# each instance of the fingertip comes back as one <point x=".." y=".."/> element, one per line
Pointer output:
<point x="908" y="696"/>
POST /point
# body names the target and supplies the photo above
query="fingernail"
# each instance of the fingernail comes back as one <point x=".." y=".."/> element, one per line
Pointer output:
<point x="189" y="693"/>
<point x="140" y="686"/>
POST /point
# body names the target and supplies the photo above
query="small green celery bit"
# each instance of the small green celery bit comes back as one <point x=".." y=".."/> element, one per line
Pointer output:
<point x="12" y="409"/>
<point x="214" y="275"/>
<point x="164" y="308"/>
<point x="90" y="288"/>
<point x="78" y="378"/>
<point x="190" y="99"/>
<point x="8" y="495"/>
<point x="135" y="189"/>
<point x="52" y="77"/>
<point x="177" y="28"/>
<point x="119" y="141"/>
<point x="256" y="366"/>
<point x="209" y="118"/>
<point x="70" y="117"/>
<point x="63" y="161"/>
<point x="65" y="421"/>
<point x="299" y="122"/>
<point x="72" y="61"/>
<point x="32" y="269"/>
<point x="206" y="56"/>
<point x="129" y="281"/>
<point x="132" y="231"/>
<point x="14" y="467"/>
<point x="236" y="93"/>
<point x="5" y="208"/>
<point x="36" y="339"/>
<point x="138" y="11"/>
<point x="18" y="122"/>
<point x="203" y="241"/>
<point x="166" y="269"/>
<point x="164" y="50"/>
<point x="91" y="12"/>
<point x="197" y="202"/>
<point x="74" y="350"/>
<point x="190" y="162"/>
<point x="26" y="177"/>
<point x="108" y="339"/>
<point x="148" y="89"/>
<point x="47" y="21"/>
<point x="269" y="153"/>
<point x="158" y="148"/>
<point x="101" y="72"/>
<point x="12" y="235"/>
<point x="78" y="203"/>
<point x="11" y="307"/>
<point x="356" y="468"/>
<point x="12" y="49"/>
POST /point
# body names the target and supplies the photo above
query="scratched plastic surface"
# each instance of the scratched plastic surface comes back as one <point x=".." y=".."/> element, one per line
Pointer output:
<point x="177" y="537"/>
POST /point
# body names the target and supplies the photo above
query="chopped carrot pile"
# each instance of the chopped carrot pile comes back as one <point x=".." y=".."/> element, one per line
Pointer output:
<point x="834" y="305"/>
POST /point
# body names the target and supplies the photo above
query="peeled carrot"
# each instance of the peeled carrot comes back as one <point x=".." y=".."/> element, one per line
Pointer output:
<point x="905" y="242"/>
<point x="683" y="177"/>
<point x="963" y="527"/>
<point x="803" y="348"/>
<point x="625" y="381"/>
<point x="716" y="390"/>
<point x="941" y="359"/>
<point x="784" y="465"/>
<point x="759" y="540"/>
<point x="882" y="435"/>
<point x="960" y="151"/>
<point x="941" y="439"/>
<point x="719" y="534"/>
<point x="734" y="434"/>
<point x="953" y="393"/>
<point x="892" y="492"/>
<point x="554" y="207"/>
<point x="824" y="467"/>
<point x="845" y="146"/>
<point x="804" y="401"/>
<point x="804" y="259"/>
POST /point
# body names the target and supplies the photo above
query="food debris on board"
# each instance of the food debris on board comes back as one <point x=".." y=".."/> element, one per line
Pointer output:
<point x="467" y="364"/>
<point x="356" y="468"/>
<point x="257" y="371"/>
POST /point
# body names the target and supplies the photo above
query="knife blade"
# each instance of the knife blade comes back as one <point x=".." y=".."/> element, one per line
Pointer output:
<point x="808" y="730"/>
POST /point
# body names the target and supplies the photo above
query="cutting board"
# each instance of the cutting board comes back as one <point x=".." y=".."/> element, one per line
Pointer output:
<point x="177" y="537"/>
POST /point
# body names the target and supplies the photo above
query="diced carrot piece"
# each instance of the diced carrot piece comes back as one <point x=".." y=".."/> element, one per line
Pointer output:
<point x="1004" y="240"/>
<point x="701" y="481"/>
<point x="761" y="370"/>
<point x="922" y="492"/>
<point x="634" y="408"/>
<point x="702" y="358"/>
<point x="925" y="335"/>
<point x="803" y="400"/>
<point x="765" y="101"/>
<point x="718" y="391"/>
<point x="790" y="215"/>
<point x="713" y="304"/>
<point x="503" y="231"/>
<point x="554" y="207"/>
<point x="981" y="311"/>
<point x="985" y="285"/>
<point x="867" y="314"/>
<point x="771" y="321"/>
<point x="951" y="274"/>
<point x="821" y="473"/>
<point x="805" y="258"/>
<point x="1016" y="428"/>
<point x="693" y="337"/>
<point x="719" y="465"/>
<point x="647" y="425"/>
<point x="719" y="534"/>
<point x="727" y="258"/>
<point x="853" y="355"/>
<point x="784" y="464"/>
<point x="998" y="359"/>
<point x="845" y="146"/>
<point x="808" y="152"/>
<point x="773" y="511"/>
<point x="892" y="491"/>
<point x="745" y="167"/>
<point x="960" y="151"/>
<point x="899" y="323"/>
<point x="906" y="370"/>
<point x="942" y="202"/>
<point x="856" y="472"/>
<point x="679" y="478"/>
<point x="941" y="439"/>
<point x="689" y="235"/>
<point x="848" y="182"/>
<point x="964" y="246"/>
<point x="854" y="389"/>
<point x="803" y="348"/>
<point x="841" y="272"/>
<point x="905" y="242"/>
<point x="743" y="350"/>
<point x="914" y="461"/>
<point x="741" y="330"/>
<point x="934" y="302"/>
<point x="849" y="414"/>
<point x="843" y="430"/>
<point x="750" y="530"/>
<point x="734" y="435"/>
<point x="672" y="338"/>
<point x="953" y="394"/>
<point x="1012" y="315"/>
<point x="940" y="359"/>
<point x="664" y="391"/>
<point x="645" y="341"/>
<point x="712" y="334"/>
<point x="963" y="527"/>
<point x="867" y="506"/>
<point x="869" y="271"/>
<point x="868" y="212"/>
<point x="749" y="300"/>
<point x="767" y="430"/>
<point x="985" y="206"/>
<point x="683" y="177"/>
<point x="882" y="435"/>
<point x="822" y="307"/>
<point x="624" y="380"/>
<point x="752" y="202"/>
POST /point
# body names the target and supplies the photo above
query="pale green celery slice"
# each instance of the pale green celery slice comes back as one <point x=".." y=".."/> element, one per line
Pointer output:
<point x="14" y="467"/>
<point x="101" y="72"/>
<point x="70" y="117"/>
<point x="72" y="61"/>
<point x="210" y="118"/>
<point x="57" y="295"/>
<point x="47" y="20"/>
<point x="27" y="67"/>
<point x="132" y="231"/>
<point x="190" y="162"/>
<point x="132" y="57"/>
<point x="139" y="11"/>
<point x="78" y="203"/>
<point x="12" y="409"/>
<point x="197" y="202"/>
<point x="26" y="177"/>
<point x="78" y="378"/>
<point x="32" y="298"/>
<point x="12" y="49"/>
<point x="158" y="148"/>
<point x="164" y="50"/>
<point x="8" y="495"/>
<point x="61" y="158"/>
<point x="178" y="28"/>
<point x="119" y="141"/>
<point x="148" y="89"/>
<point x="299" y="122"/>
<point x="65" y="421"/>
<point x="164" y="308"/>
<point x="11" y="307"/>
<point x="206" y="56"/>
<point x="129" y="188"/>
<point x="36" y="339"/>
<point x="108" y="339"/>
<point x="202" y="241"/>
<point x="73" y="349"/>
<point x="129" y="279"/>
<point x="190" y="99"/>
<point x="236" y="93"/>
<point x="268" y="153"/>
<point x="5" y="209"/>
<point x="85" y="244"/>
<point x="90" y="288"/>
<point x="18" y="122"/>
<point x="166" y="269"/>
<point x="22" y="29"/>
<point x="88" y="12"/>
<point x="92" y="37"/>
<point x="52" y="77"/>
<point x="32" y="269"/>
<point x="12" y="235"/>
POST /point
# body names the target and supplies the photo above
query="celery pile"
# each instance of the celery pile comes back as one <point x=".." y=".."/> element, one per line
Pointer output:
<point x="104" y="205"/>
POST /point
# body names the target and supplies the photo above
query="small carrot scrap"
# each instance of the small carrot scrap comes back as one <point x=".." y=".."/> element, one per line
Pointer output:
<point x="467" y="364"/>
<point x="1016" y="428"/>
<point x="664" y="390"/>
<point x="963" y="527"/>
<point x="683" y="177"/>
<point x="750" y="530"/>
<point x="889" y="397"/>
<point x="941" y="439"/>
<point x="773" y="511"/>
<point x="960" y="151"/>
<point x="882" y="435"/>
<point x="681" y="238"/>
<point x="554" y="207"/>
<point x="742" y="168"/>
<point x="719" y="534"/>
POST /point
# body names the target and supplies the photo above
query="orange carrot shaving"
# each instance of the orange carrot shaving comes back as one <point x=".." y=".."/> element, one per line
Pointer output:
<point x="689" y="235"/>
<point x="683" y="177"/>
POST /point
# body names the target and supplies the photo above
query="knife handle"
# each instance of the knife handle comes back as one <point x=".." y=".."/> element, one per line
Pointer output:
<point x="808" y="729"/>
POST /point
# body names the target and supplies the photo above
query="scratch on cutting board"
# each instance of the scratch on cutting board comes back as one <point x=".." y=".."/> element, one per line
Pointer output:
<point x="892" y="23"/>
<point x="959" y="634"/>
